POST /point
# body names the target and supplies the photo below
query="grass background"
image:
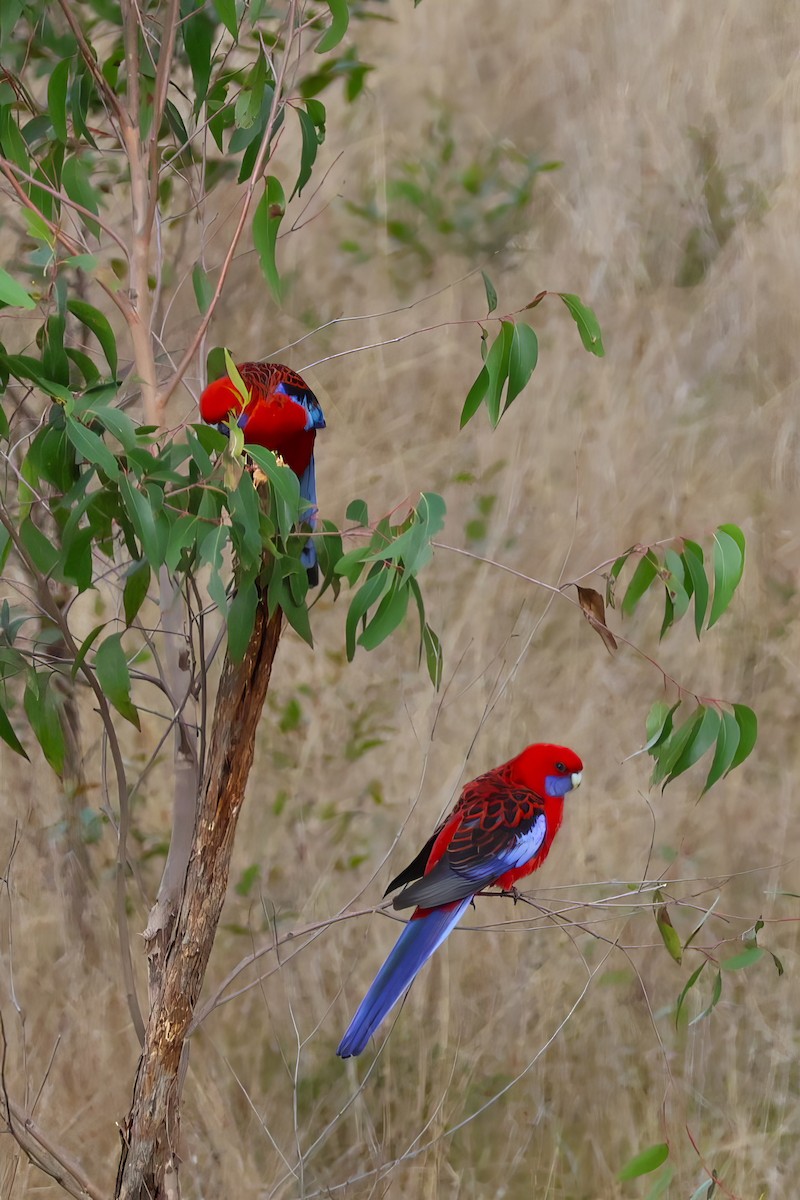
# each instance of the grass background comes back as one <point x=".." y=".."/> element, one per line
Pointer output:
<point x="674" y="214"/>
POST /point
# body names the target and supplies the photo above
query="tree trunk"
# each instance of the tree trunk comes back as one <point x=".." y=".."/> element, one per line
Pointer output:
<point x="148" y="1168"/>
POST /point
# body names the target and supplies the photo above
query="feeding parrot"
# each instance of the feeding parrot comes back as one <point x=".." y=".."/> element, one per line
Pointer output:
<point x="283" y="415"/>
<point x="501" y="829"/>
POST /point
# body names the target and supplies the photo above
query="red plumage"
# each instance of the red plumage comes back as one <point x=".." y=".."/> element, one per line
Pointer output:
<point x="275" y="416"/>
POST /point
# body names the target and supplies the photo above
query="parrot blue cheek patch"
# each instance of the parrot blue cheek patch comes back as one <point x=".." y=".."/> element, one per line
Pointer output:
<point x="557" y="785"/>
<point x="242" y="420"/>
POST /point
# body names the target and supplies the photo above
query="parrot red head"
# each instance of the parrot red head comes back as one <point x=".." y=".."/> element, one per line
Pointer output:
<point x="547" y="769"/>
<point x="219" y="400"/>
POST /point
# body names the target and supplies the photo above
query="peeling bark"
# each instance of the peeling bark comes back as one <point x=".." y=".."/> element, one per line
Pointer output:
<point x="149" y="1161"/>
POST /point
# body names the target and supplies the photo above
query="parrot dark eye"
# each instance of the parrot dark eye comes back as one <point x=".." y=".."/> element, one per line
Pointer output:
<point x="560" y="767"/>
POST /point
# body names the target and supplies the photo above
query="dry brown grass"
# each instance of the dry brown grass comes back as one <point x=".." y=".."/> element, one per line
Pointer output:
<point x="691" y="419"/>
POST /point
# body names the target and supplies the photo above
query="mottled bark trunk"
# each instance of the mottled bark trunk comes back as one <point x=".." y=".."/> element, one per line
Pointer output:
<point x="149" y="1161"/>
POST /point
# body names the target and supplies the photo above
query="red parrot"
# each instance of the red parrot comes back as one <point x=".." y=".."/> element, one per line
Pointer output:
<point x="501" y="829"/>
<point x="283" y="414"/>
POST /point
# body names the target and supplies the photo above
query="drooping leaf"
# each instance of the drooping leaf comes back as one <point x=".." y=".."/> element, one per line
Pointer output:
<point x="747" y="721"/>
<point x="92" y="447"/>
<point x="522" y="359"/>
<point x="137" y="581"/>
<point x="727" y="742"/>
<point x="701" y="741"/>
<point x="695" y="569"/>
<point x="588" y="325"/>
<point x="716" y="993"/>
<point x="57" y="98"/>
<point x="203" y="288"/>
<point x="266" y="222"/>
<point x="340" y="19"/>
<point x="42" y="711"/>
<point x="643" y="576"/>
<point x="198" y="39"/>
<point x="9" y="736"/>
<point x="226" y="11"/>
<point x="691" y="981"/>
<point x="241" y="618"/>
<point x="99" y="325"/>
<point x="593" y="609"/>
<point x="669" y="935"/>
<point x="114" y="678"/>
<point x="729" y="549"/>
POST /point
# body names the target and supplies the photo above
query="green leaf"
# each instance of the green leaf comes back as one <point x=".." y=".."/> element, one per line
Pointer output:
<point x="226" y="11"/>
<point x="691" y="981"/>
<point x="491" y="294"/>
<point x="337" y="28"/>
<point x="99" y="325"/>
<point x="728" y="567"/>
<point x="77" y="182"/>
<point x="727" y="741"/>
<point x="241" y="619"/>
<point x="13" y="293"/>
<point x="643" y="576"/>
<point x="745" y="958"/>
<point x="86" y="646"/>
<point x="522" y="360"/>
<point x="114" y="677"/>
<point x="42" y="711"/>
<point x="357" y="512"/>
<point x="389" y="615"/>
<point x="350" y="564"/>
<point x="77" y="557"/>
<point x="9" y="736"/>
<point x="368" y="594"/>
<point x="266" y="222"/>
<point x="588" y="325"/>
<point x="92" y="447"/>
<point x="198" y="39"/>
<point x="669" y="935"/>
<point x="475" y="397"/>
<point x="645" y="1162"/>
<point x="703" y="738"/>
<point x="497" y="364"/>
<point x="670" y="750"/>
<point x="308" y="154"/>
<point x="235" y="377"/>
<point x="715" y="998"/>
<point x="44" y="553"/>
<point x="57" y="98"/>
<point x="747" y="721"/>
<point x="137" y="581"/>
<point x="434" y="658"/>
<point x="659" y="724"/>
<point x="140" y="511"/>
<point x="203" y="288"/>
<point x="693" y="563"/>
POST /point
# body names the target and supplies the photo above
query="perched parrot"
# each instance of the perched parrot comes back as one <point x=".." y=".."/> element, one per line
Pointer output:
<point x="283" y="415"/>
<point x="501" y="829"/>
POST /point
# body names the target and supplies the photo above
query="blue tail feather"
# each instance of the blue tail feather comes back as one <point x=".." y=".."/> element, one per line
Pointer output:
<point x="308" y="491"/>
<point x="412" y="950"/>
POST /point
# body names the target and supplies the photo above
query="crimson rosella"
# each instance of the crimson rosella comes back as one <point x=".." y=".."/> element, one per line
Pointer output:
<point x="501" y="829"/>
<point x="283" y="414"/>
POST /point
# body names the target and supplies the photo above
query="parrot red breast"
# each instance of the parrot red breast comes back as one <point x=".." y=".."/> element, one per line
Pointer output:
<point x="501" y="829"/>
<point x="283" y="415"/>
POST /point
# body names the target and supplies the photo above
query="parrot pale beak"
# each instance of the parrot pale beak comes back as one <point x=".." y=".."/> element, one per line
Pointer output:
<point x="576" y="778"/>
